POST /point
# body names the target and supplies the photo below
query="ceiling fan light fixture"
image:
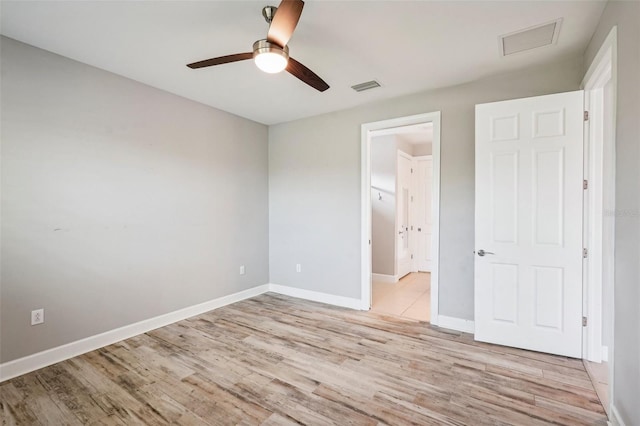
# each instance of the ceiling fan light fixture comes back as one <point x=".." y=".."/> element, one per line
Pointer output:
<point x="270" y="57"/>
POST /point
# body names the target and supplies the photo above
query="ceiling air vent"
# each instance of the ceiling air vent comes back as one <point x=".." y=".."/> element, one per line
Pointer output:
<point x="366" y="86"/>
<point x="530" y="38"/>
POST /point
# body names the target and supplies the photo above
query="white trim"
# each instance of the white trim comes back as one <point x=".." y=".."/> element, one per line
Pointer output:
<point x="315" y="296"/>
<point x="608" y="47"/>
<point x="605" y="354"/>
<point x="599" y="149"/>
<point x="39" y="360"/>
<point x="384" y="278"/>
<point x="616" y="418"/>
<point x="20" y="366"/>
<point x="365" y="214"/>
<point x="458" y="324"/>
<point x="602" y="69"/>
<point x="592" y="230"/>
<point x="396" y="239"/>
<point x="416" y="184"/>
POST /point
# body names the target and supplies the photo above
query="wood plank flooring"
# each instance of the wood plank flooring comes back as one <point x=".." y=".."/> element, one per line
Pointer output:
<point x="275" y="360"/>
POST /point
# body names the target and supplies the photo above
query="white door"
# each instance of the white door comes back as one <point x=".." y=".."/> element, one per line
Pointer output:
<point x="528" y="230"/>
<point x="422" y="219"/>
<point x="403" y="208"/>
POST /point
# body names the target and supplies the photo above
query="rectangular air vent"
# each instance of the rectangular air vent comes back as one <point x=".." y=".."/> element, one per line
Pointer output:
<point x="530" y="38"/>
<point x="366" y="86"/>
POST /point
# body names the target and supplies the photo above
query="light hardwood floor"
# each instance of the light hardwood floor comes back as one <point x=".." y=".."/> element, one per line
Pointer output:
<point x="409" y="298"/>
<point x="599" y="375"/>
<point x="275" y="360"/>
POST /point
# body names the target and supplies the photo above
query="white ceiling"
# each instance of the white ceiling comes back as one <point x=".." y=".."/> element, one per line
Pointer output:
<point x="415" y="134"/>
<point x="406" y="46"/>
<point x="417" y="138"/>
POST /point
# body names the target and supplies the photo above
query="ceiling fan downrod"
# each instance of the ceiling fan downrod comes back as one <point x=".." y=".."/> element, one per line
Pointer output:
<point x="268" y="13"/>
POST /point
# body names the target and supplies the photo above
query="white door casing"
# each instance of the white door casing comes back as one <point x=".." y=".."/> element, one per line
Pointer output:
<point x="529" y="191"/>
<point x="599" y="84"/>
<point x="422" y="206"/>
<point x="403" y="215"/>
<point x="366" y="130"/>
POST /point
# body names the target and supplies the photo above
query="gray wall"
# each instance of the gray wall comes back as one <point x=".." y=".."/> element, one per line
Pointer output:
<point x="384" y="151"/>
<point x="626" y="15"/>
<point x="120" y="202"/>
<point x="314" y="184"/>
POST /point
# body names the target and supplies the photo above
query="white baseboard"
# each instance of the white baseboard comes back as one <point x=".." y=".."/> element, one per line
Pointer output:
<point x="384" y="278"/>
<point x="51" y="356"/>
<point x="458" y="324"/>
<point x="20" y="366"/>
<point x="315" y="296"/>
<point x="615" y="419"/>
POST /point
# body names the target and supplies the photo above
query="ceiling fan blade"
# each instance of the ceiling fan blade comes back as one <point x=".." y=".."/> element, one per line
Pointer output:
<point x="306" y="75"/>
<point x="221" y="60"/>
<point x="285" y="21"/>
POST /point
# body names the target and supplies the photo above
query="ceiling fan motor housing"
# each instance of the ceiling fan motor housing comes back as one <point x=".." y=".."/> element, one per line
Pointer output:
<point x="264" y="46"/>
<point x="270" y="57"/>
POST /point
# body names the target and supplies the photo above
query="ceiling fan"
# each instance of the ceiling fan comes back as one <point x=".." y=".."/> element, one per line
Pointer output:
<point x="271" y="55"/>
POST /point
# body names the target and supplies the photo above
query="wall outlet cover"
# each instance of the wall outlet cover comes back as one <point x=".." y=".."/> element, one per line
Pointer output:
<point x="37" y="316"/>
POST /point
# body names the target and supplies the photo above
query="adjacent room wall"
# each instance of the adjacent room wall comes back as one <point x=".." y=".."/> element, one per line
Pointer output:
<point x="383" y="209"/>
<point x="384" y="165"/>
<point x="314" y="184"/>
<point x="422" y="149"/>
<point x="120" y="202"/>
<point x="626" y="380"/>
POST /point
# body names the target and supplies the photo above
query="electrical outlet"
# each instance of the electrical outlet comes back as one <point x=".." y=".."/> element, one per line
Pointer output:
<point x="298" y="267"/>
<point x="241" y="269"/>
<point x="37" y="316"/>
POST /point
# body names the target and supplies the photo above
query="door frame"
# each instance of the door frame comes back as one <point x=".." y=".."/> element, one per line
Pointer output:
<point x="415" y="239"/>
<point x="365" y="214"/>
<point x="398" y="274"/>
<point x="600" y="148"/>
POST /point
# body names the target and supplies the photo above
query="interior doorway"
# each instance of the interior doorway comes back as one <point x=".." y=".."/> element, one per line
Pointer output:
<point x="400" y="216"/>
<point x="401" y="179"/>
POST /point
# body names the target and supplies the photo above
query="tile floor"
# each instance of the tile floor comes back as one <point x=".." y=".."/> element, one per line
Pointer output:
<point x="409" y="298"/>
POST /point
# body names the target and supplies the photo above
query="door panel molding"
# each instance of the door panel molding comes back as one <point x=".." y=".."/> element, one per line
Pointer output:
<point x="529" y="192"/>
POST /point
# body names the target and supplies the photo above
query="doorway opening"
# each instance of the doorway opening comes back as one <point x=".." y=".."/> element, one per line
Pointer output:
<point x="401" y="175"/>
<point x="400" y="216"/>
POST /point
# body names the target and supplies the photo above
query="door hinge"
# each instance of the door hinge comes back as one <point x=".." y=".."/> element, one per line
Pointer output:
<point x="412" y="256"/>
<point x="585" y="184"/>
<point x="584" y="321"/>
<point x="369" y="242"/>
<point x="586" y="116"/>
<point x="585" y="253"/>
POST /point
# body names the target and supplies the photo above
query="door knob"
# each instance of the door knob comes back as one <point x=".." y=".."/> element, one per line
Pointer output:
<point x="419" y="229"/>
<point x="482" y="252"/>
